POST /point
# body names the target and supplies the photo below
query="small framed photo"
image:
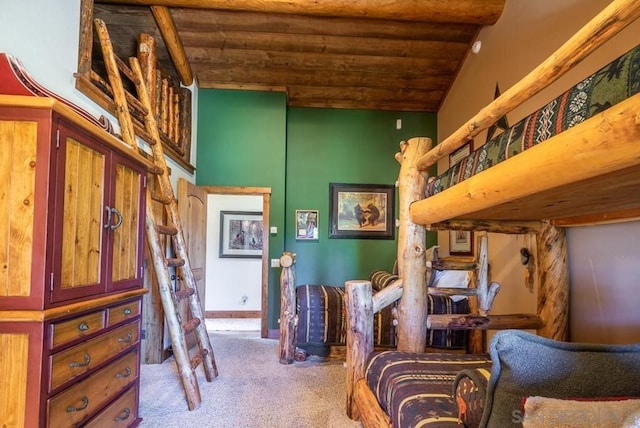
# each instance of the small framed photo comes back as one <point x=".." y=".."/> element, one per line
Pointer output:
<point x="241" y="234"/>
<point x="307" y="225"/>
<point x="461" y="242"/>
<point x="363" y="211"/>
<point x="460" y="154"/>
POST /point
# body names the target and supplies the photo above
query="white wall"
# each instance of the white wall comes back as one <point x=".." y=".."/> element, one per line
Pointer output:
<point x="229" y="280"/>
<point x="44" y="36"/>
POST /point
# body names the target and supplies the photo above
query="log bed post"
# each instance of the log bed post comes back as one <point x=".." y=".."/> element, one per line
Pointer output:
<point x="359" y="308"/>
<point x="553" y="286"/>
<point x="412" y="308"/>
<point x="287" y="308"/>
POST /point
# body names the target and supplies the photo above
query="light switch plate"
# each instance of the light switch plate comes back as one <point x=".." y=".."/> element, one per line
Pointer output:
<point x="275" y="263"/>
<point x="273" y="229"/>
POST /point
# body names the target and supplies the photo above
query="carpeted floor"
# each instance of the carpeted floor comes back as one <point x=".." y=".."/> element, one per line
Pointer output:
<point x="252" y="390"/>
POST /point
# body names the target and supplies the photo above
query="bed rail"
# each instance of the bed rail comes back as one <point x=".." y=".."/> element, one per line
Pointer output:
<point x="601" y="28"/>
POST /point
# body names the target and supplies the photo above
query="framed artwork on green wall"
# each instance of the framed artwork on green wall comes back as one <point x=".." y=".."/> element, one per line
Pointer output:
<point x="307" y="225"/>
<point x="362" y="211"/>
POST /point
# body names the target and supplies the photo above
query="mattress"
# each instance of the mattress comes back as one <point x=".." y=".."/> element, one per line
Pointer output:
<point x="416" y="389"/>
<point x="610" y="85"/>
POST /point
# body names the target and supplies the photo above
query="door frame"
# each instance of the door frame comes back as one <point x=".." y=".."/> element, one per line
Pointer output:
<point x="265" y="192"/>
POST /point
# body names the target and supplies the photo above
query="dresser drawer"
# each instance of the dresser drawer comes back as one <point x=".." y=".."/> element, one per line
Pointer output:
<point x="81" y="358"/>
<point x="84" y="398"/>
<point x="121" y="413"/>
<point x="66" y="331"/>
<point x="120" y="313"/>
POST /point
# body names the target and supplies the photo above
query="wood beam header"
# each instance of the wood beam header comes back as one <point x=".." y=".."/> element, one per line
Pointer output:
<point x="478" y="12"/>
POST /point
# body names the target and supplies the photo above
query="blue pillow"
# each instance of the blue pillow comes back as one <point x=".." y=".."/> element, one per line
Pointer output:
<point x="526" y="365"/>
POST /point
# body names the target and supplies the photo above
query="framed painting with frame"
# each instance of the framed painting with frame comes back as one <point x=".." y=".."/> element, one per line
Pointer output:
<point x="241" y="234"/>
<point x="461" y="242"/>
<point x="361" y="211"/>
<point x="307" y="225"/>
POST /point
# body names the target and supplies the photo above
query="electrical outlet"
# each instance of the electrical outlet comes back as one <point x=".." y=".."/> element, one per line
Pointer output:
<point x="275" y="263"/>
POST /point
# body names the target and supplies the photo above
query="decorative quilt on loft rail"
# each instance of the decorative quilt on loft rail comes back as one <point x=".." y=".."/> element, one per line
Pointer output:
<point x="608" y="86"/>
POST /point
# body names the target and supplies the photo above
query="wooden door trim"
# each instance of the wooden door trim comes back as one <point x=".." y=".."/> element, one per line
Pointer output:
<point x="265" y="192"/>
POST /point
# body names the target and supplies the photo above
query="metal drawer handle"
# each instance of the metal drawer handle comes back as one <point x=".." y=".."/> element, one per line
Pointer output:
<point x="87" y="361"/>
<point x="123" y="416"/>
<point x="85" y="403"/>
<point x="83" y="326"/>
<point x="125" y="373"/>
<point x="127" y="339"/>
<point x="127" y="311"/>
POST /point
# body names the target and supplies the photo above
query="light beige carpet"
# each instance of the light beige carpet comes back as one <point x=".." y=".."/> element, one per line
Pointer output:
<point x="252" y="390"/>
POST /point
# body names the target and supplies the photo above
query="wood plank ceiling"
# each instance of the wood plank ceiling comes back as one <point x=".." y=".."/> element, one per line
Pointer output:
<point x="371" y="54"/>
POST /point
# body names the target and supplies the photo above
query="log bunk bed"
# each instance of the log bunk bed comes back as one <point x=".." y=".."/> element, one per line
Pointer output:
<point x="531" y="193"/>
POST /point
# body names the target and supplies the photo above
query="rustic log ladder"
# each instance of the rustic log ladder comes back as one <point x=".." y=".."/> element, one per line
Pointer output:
<point x="157" y="232"/>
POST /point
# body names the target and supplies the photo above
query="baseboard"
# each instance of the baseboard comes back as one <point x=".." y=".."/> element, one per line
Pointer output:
<point x="232" y="314"/>
<point x="273" y="333"/>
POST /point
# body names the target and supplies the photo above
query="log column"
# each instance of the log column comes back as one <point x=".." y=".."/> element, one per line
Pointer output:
<point x="553" y="288"/>
<point x="412" y="309"/>
<point x="359" y="308"/>
<point x="287" y="308"/>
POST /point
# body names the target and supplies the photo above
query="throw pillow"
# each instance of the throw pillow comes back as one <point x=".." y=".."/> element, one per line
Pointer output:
<point x="526" y="365"/>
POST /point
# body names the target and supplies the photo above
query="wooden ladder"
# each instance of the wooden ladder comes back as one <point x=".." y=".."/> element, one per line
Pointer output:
<point x="156" y="232"/>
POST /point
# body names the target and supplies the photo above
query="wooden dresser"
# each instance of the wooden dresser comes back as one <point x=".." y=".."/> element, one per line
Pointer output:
<point x="72" y="199"/>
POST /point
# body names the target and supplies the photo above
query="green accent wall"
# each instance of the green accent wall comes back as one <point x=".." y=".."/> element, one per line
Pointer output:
<point x="242" y="142"/>
<point x="342" y="146"/>
<point x="248" y="138"/>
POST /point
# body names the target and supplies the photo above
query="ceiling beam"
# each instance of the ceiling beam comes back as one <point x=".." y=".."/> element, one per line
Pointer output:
<point x="478" y="12"/>
<point x="172" y="41"/>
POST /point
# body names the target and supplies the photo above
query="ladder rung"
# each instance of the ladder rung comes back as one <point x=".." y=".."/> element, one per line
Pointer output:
<point x="166" y="200"/>
<point x="127" y="71"/>
<point x="166" y="230"/>
<point x="443" y="291"/>
<point x="191" y="325"/>
<point x="177" y="262"/>
<point x="131" y="100"/>
<point x="198" y="358"/>
<point x="184" y="293"/>
<point x="453" y="265"/>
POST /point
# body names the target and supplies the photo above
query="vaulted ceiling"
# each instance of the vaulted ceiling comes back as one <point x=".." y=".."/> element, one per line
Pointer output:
<point x="367" y="54"/>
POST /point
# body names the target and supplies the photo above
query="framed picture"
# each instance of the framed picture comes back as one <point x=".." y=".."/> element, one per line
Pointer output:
<point x="307" y="224"/>
<point x="461" y="242"/>
<point x="241" y="234"/>
<point x="364" y="211"/>
<point x="460" y="154"/>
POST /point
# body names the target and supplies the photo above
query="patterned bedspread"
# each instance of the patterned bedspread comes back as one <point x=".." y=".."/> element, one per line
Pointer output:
<point x="608" y="86"/>
<point x="322" y="320"/>
<point x="416" y="390"/>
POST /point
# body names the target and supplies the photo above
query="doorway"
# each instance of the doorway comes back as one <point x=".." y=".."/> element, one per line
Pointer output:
<point x="265" y="194"/>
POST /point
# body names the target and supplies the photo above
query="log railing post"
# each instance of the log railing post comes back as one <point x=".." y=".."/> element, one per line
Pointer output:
<point x="553" y="285"/>
<point x="359" y="308"/>
<point x="287" y="308"/>
<point x="412" y="309"/>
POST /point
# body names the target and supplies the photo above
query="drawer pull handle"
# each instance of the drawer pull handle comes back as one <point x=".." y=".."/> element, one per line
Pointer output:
<point x="87" y="361"/>
<point x="123" y="416"/>
<point x="127" y="311"/>
<point x="83" y="326"/>
<point x="125" y="373"/>
<point x="85" y="403"/>
<point x="127" y="339"/>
